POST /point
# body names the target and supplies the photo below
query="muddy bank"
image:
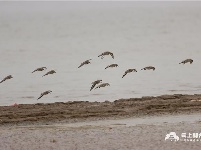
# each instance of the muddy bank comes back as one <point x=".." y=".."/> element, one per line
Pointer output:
<point x="83" y="110"/>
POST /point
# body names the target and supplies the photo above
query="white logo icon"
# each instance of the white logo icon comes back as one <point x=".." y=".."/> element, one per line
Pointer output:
<point x="172" y="137"/>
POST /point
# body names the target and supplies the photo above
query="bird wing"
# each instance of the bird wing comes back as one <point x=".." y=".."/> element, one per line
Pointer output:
<point x="124" y="74"/>
<point x="182" y="62"/>
<point x="93" y="86"/>
<point x="82" y="64"/>
<point x="46" y="74"/>
<point x="100" y="55"/>
<point x="35" y="70"/>
<point x="107" y="67"/>
<point x="2" y="80"/>
<point x="40" y="96"/>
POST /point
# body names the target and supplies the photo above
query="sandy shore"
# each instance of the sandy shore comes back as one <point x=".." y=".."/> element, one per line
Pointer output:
<point x="136" y="123"/>
<point x="144" y="133"/>
<point x="82" y="110"/>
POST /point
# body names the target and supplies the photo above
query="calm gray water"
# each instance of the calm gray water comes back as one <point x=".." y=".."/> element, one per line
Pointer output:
<point x="61" y="35"/>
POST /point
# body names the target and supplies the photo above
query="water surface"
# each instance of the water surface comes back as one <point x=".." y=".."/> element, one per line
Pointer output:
<point x="61" y="35"/>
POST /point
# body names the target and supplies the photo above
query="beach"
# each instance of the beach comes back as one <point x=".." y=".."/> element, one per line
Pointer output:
<point x="146" y="109"/>
<point x="136" y="123"/>
<point x="82" y="110"/>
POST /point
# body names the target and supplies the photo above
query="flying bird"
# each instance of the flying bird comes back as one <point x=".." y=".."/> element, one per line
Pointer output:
<point x="102" y="85"/>
<point x="39" y="69"/>
<point x="111" y="66"/>
<point x="44" y="93"/>
<point x="6" y="78"/>
<point x="186" y="61"/>
<point x="106" y="53"/>
<point x="149" y="68"/>
<point x="129" y="71"/>
<point x="95" y="83"/>
<point x="85" y="63"/>
<point x="50" y="72"/>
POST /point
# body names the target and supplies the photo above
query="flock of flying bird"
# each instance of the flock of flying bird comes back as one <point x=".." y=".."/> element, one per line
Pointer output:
<point x="97" y="82"/>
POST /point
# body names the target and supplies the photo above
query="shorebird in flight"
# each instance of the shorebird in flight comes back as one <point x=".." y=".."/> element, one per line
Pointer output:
<point x="186" y="61"/>
<point x="44" y="93"/>
<point x="103" y="85"/>
<point x="95" y="83"/>
<point x="129" y="71"/>
<point x="6" y="78"/>
<point x="149" y="68"/>
<point x="112" y="66"/>
<point x="39" y="69"/>
<point x="85" y="63"/>
<point x="50" y="72"/>
<point x="106" y="53"/>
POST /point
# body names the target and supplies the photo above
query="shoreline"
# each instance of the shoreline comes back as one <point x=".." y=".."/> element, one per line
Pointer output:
<point x="122" y="124"/>
<point x="80" y="111"/>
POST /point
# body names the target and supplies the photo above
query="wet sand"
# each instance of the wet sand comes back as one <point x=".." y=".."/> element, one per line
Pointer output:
<point x="135" y="123"/>
<point x="77" y="111"/>
<point x="128" y="134"/>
